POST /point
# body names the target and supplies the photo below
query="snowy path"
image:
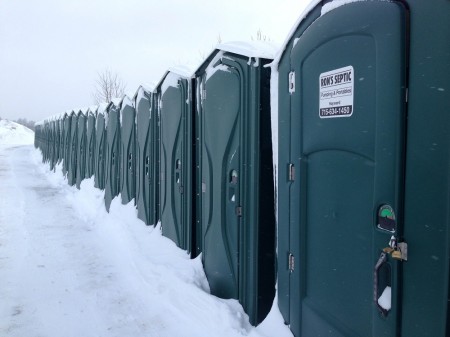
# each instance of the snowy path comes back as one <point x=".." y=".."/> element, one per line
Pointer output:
<point x="67" y="268"/>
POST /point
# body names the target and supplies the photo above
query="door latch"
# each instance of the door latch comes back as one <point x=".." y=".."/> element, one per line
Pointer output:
<point x="239" y="211"/>
<point x="292" y="82"/>
<point x="291" y="172"/>
<point x="398" y="250"/>
<point x="291" y="262"/>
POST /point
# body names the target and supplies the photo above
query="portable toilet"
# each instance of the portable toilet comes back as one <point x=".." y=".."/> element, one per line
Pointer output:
<point x="51" y="144"/>
<point x="56" y="126"/>
<point x="147" y="159"/>
<point x="60" y="120"/>
<point x="128" y="145"/>
<point x="73" y="146"/>
<point x="363" y="244"/>
<point x="67" y="121"/>
<point x="37" y="134"/>
<point x="175" y="116"/>
<point x="100" y="147"/>
<point x="47" y="151"/>
<point x="235" y="193"/>
<point x="90" y="139"/>
<point x="113" y="149"/>
<point x="81" y="146"/>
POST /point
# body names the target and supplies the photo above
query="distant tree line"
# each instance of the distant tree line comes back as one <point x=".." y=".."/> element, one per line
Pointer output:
<point x="26" y="122"/>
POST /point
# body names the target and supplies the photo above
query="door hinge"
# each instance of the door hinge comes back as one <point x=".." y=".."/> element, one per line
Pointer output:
<point x="292" y="82"/>
<point x="291" y="173"/>
<point x="291" y="262"/>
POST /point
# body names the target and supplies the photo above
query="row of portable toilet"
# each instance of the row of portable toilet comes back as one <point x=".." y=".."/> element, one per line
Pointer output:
<point x="360" y="139"/>
<point x="195" y="153"/>
<point x="116" y="143"/>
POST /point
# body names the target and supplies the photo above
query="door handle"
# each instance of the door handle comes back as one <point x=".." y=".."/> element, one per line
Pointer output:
<point x="381" y="261"/>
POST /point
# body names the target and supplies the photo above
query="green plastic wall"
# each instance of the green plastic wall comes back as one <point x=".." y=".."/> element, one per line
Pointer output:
<point x="128" y="145"/>
<point x="235" y="197"/>
<point x="100" y="152"/>
<point x="90" y="144"/>
<point x="147" y="161"/>
<point x="113" y="154"/>
<point x="176" y="162"/>
<point x="81" y="149"/>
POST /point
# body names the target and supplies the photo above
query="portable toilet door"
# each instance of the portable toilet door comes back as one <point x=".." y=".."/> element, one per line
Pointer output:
<point x="128" y="145"/>
<point x="100" y="148"/>
<point x="56" y="126"/>
<point x="67" y="120"/>
<point x="176" y="158"/>
<point x="37" y="133"/>
<point x="340" y="170"/>
<point x="90" y="139"/>
<point x="51" y="146"/>
<point x="47" y="142"/>
<point x="235" y="184"/>
<point x="147" y="161"/>
<point x="72" y="167"/>
<point x="113" y="155"/>
<point x="81" y="148"/>
<point x="61" y="139"/>
<point x="51" y="131"/>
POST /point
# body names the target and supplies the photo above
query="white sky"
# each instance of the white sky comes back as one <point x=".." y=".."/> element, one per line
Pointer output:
<point x="52" y="50"/>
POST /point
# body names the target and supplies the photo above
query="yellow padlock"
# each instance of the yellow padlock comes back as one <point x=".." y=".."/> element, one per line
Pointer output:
<point x="396" y="254"/>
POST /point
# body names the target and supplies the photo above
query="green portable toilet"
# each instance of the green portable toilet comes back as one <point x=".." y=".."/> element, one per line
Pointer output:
<point x="147" y="159"/>
<point x="363" y="168"/>
<point x="56" y="127"/>
<point x="67" y="121"/>
<point x="90" y="139"/>
<point x="128" y="145"/>
<point x="38" y="135"/>
<point x="100" y="147"/>
<point x="46" y="151"/>
<point x="235" y="194"/>
<point x="175" y="114"/>
<point x="37" y="132"/>
<point x="73" y="146"/>
<point x="44" y="142"/>
<point x="81" y="146"/>
<point x="47" y="142"/>
<point x="60" y="126"/>
<point x="113" y="149"/>
<point x="51" y="126"/>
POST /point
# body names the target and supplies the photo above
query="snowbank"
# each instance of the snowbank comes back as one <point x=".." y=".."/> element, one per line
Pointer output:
<point x="12" y="133"/>
<point x="69" y="268"/>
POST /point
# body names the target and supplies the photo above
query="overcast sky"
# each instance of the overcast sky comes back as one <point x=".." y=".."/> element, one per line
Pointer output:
<point x="52" y="50"/>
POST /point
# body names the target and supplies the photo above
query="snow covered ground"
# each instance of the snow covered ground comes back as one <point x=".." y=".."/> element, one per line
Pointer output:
<point x="12" y="133"/>
<point x="68" y="268"/>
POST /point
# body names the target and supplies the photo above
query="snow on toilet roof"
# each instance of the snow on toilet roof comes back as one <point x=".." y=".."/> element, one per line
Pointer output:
<point x="325" y="9"/>
<point x="261" y="49"/>
<point x="185" y="71"/>
<point x="102" y="108"/>
<point x="302" y="16"/>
